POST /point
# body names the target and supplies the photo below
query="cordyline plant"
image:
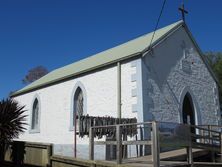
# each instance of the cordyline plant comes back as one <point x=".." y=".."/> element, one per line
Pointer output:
<point x="12" y="121"/>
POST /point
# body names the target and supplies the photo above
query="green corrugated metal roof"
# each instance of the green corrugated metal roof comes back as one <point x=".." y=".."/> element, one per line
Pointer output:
<point x="123" y="51"/>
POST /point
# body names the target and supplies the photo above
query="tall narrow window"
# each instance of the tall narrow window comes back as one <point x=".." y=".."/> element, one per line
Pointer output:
<point x="78" y="103"/>
<point x="35" y="115"/>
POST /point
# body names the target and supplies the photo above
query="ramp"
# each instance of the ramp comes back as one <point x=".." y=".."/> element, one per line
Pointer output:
<point x="193" y="141"/>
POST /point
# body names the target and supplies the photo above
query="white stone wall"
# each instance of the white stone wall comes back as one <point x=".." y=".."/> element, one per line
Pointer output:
<point x="174" y="68"/>
<point x="56" y="107"/>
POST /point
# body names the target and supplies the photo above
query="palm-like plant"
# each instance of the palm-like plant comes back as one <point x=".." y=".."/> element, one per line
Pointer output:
<point x="12" y="121"/>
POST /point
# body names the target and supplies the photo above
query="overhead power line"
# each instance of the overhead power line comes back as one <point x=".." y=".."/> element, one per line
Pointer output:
<point x="157" y="23"/>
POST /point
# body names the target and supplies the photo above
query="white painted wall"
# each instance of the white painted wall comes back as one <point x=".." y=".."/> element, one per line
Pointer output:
<point x="165" y="83"/>
<point x="56" y="105"/>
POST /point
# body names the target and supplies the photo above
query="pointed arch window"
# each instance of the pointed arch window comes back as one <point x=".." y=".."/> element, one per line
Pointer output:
<point x="35" y="116"/>
<point x="78" y="103"/>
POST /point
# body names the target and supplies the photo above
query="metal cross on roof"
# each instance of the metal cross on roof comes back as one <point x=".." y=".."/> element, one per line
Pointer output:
<point x="183" y="12"/>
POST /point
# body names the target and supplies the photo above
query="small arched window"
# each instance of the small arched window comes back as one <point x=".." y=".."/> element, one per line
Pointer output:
<point x="78" y="103"/>
<point x="35" y="115"/>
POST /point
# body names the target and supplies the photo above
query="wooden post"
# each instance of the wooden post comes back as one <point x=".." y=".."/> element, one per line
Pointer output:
<point x="91" y="143"/>
<point x="49" y="154"/>
<point x="210" y="134"/>
<point x="190" y="156"/>
<point x="221" y="146"/>
<point x="75" y="128"/>
<point x="119" y="144"/>
<point x="141" y="138"/>
<point x="211" y="142"/>
<point x="202" y="134"/>
<point x="155" y="145"/>
<point x="189" y="148"/>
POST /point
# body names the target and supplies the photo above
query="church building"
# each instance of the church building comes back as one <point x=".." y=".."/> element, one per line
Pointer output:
<point x="166" y="79"/>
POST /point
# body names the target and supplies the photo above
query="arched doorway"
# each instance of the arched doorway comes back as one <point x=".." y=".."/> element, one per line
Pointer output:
<point x="188" y="110"/>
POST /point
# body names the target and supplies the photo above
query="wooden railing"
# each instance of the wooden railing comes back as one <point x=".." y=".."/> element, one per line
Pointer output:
<point x="206" y="137"/>
<point x="120" y="143"/>
<point x="177" y="135"/>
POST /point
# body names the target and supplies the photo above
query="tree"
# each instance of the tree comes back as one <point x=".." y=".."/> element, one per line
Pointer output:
<point x="215" y="61"/>
<point x="34" y="74"/>
<point x="12" y="121"/>
<point x="217" y="68"/>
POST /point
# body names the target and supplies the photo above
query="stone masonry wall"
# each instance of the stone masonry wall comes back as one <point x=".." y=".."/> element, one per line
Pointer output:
<point x="169" y="72"/>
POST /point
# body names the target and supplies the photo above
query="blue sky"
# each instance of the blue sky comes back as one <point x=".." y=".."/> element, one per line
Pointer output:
<point x="54" y="33"/>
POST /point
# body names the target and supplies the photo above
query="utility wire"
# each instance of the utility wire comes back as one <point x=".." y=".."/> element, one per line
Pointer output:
<point x="164" y="2"/>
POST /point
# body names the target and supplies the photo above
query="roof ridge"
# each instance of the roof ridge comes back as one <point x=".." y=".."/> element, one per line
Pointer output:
<point x="119" y="45"/>
<point x="122" y="51"/>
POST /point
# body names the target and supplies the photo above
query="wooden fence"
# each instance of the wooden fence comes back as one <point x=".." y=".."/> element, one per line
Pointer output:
<point x="33" y="154"/>
<point x="159" y="135"/>
<point x="61" y="161"/>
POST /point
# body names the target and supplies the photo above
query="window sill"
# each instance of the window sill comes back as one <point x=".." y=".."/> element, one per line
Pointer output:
<point x="34" y="131"/>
